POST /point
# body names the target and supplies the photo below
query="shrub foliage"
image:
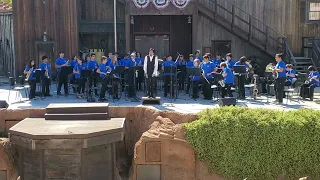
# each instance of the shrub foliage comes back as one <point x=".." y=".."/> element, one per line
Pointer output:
<point x="257" y="144"/>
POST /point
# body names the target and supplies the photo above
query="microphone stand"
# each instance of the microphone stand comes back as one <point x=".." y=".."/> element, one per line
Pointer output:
<point x="135" y="98"/>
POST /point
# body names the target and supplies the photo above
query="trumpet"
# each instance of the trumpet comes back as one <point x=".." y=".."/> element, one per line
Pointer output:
<point x="29" y="73"/>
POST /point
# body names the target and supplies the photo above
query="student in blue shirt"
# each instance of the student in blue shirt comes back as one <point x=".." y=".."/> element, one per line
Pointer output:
<point x="30" y="71"/>
<point x="181" y="64"/>
<point x="104" y="72"/>
<point x="115" y="78"/>
<point x="128" y="61"/>
<point x="280" y="68"/>
<point x="230" y="63"/>
<point x="242" y="77"/>
<point x="63" y="78"/>
<point x="109" y="60"/>
<point x="168" y="76"/>
<point x="93" y="65"/>
<point x="217" y="61"/>
<point x="228" y="80"/>
<point x="190" y="61"/>
<point x="195" y="80"/>
<point x="208" y="68"/>
<point x="74" y="61"/>
<point x="291" y="75"/>
<point x="313" y="81"/>
<point x="46" y="80"/>
<point x="78" y="78"/>
<point x="197" y="56"/>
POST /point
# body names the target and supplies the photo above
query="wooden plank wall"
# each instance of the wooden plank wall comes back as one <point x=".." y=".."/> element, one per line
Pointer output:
<point x="7" y="56"/>
<point x="33" y="17"/>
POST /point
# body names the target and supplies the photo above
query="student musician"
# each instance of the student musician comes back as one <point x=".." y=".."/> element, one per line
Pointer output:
<point x="189" y="63"/>
<point x="195" y="80"/>
<point x="110" y="56"/>
<point x="217" y="61"/>
<point x="182" y="74"/>
<point x="280" y="68"/>
<point x="115" y="78"/>
<point x="46" y="80"/>
<point x="79" y="80"/>
<point x="74" y="61"/>
<point x="150" y="67"/>
<point x="307" y="89"/>
<point x="230" y="63"/>
<point x="92" y="65"/>
<point x="168" y="76"/>
<point x="197" y="56"/>
<point x="228" y="80"/>
<point x="31" y="78"/>
<point x="207" y="69"/>
<point x="242" y="77"/>
<point x="103" y="72"/>
<point x="291" y="75"/>
<point x="62" y="78"/>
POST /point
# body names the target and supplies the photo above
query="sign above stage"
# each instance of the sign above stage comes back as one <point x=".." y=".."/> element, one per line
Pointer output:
<point x="161" y="4"/>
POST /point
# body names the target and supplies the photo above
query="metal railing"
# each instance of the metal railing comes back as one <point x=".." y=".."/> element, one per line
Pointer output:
<point x="249" y="27"/>
<point x="288" y="55"/>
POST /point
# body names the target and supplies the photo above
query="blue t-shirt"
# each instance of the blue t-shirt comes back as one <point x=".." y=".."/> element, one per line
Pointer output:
<point x="109" y="61"/>
<point x="32" y="75"/>
<point x="208" y="67"/>
<point x="167" y="64"/>
<point x="44" y="66"/>
<point x="73" y="63"/>
<point x="190" y="64"/>
<point x="279" y="65"/>
<point x="139" y="61"/>
<point x="59" y="62"/>
<point x="239" y="64"/>
<point x="127" y="63"/>
<point x="181" y="63"/>
<point x="314" y="74"/>
<point x="291" y="71"/>
<point x="230" y="64"/>
<point x="78" y="68"/>
<point x="103" y="68"/>
<point x="229" y="79"/>
<point x="217" y="62"/>
<point x="92" y="64"/>
<point x="200" y="59"/>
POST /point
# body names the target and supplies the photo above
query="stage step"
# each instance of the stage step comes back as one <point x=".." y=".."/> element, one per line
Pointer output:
<point x="77" y="108"/>
<point x="79" y="116"/>
<point x="150" y="101"/>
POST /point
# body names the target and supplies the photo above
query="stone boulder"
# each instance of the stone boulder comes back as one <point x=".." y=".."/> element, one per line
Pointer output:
<point x="8" y="160"/>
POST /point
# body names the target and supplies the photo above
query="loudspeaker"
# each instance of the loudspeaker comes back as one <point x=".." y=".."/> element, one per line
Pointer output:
<point x="3" y="104"/>
<point x="227" y="102"/>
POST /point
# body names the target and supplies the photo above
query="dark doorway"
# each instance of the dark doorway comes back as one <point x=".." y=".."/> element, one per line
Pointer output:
<point x="221" y="47"/>
<point x="159" y="42"/>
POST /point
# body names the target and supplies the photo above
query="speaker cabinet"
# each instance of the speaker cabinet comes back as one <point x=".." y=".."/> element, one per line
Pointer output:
<point x="227" y="102"/>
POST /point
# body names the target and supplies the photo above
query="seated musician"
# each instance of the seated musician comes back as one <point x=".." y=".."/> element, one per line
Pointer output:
<point x="241" y="80"/>
<point x="92" y="65"/>
<point x="115" y="78"/>
<point x="168" y="76"/>
<point x="46" y="80"/>
<point x="195" y="80"/>
<point x="104" y="77"/>
<point x="207" y="68"/>
<point x="182" y="74"/>
<point x="190" y="61"/>
<point x="307" y="89"/>
<point x="228" y="80"/>
<point x="31" y="78"/>
<point x="217" y="61"/>
<point x="230" y="63"/>
<point x="80" y="81"/>
<point x="291" y="75"/>
<point x="197" y="56"/>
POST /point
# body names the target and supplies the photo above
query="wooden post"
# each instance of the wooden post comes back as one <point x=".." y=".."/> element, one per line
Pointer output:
<point x="267" y="37"/>
<point x="250" y="27"/>
<point x="233" y="15"/>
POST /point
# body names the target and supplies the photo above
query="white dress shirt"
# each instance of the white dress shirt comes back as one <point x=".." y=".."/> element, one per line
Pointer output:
<point x="155" y="70"/>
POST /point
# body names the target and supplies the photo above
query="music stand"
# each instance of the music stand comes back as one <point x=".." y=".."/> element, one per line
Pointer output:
<point x="239" y="71"/>
<point x="39" y="74"/>
<point x="132" y="71"/>
<point x="140" y="73"/>
<point x="219" y="70"/>
<point x="172" y="70"/>
<point x="218" y="77"/>
<point x="87" y="74"/>
<point x="269" y="77"/>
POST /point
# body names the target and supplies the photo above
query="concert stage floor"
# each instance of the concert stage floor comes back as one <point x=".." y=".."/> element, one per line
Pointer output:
<point x="183" y="104"/>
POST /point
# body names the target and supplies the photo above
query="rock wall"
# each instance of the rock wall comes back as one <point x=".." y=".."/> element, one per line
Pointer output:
<point x="154" y="142"/>
<point x="8" y="160"/>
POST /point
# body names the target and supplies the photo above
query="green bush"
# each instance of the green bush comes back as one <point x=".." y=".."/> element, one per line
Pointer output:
<point x="257" y="144"/>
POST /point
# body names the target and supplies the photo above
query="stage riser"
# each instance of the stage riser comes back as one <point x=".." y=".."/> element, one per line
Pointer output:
<point x="77" y="108"/>
<point x="82" y="116"/>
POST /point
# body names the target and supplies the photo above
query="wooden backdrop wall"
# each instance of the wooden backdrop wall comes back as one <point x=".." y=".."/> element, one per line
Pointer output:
<point x="33" y="17"/>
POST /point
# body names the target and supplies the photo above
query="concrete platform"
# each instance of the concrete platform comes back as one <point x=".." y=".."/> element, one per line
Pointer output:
<point x="73" y="108"/>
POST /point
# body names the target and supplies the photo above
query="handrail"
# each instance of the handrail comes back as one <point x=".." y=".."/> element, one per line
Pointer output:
<point x="288" y="53"/>
<point x="242" y="20"/>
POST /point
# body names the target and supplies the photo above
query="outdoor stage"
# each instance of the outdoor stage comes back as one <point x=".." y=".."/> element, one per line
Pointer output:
<point x="183" y="104"/>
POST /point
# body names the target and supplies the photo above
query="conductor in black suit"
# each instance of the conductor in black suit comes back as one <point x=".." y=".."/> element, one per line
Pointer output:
<point x="150" y="68"/>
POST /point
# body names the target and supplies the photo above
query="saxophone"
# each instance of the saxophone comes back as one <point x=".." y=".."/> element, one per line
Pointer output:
<point x="29" y="73"/>
<point x="255" y="88"/>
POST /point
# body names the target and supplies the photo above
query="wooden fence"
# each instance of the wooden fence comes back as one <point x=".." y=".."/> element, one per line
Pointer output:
<point x="7" y="56"/>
